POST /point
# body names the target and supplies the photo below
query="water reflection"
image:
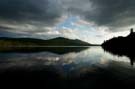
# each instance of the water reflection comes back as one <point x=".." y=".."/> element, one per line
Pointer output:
<point x="128" y="53"/>
<point x="76" y="62"/>
<point x="89" y="68"/>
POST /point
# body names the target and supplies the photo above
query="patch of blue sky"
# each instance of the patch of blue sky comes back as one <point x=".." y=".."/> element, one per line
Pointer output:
<point x="68" y="23"/>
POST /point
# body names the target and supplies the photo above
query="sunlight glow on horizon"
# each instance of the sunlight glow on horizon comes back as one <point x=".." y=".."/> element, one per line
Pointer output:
<point x="74" y="27"/>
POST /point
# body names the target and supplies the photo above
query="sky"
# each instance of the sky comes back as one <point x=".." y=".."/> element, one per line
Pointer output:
<point x="92" y="21"/>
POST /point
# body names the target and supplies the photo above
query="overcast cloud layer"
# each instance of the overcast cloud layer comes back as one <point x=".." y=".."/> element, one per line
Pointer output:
<point x="40" y="18"/>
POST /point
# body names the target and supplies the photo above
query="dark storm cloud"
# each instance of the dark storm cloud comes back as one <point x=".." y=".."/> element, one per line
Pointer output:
<point x="29" y="10"/>
<point x="111" y="13"/>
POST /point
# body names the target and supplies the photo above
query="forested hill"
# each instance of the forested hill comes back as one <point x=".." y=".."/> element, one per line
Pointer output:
<point x="60" y="41"/>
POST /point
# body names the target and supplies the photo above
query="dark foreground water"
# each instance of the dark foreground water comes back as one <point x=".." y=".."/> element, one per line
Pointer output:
<point x="87" y="68"/>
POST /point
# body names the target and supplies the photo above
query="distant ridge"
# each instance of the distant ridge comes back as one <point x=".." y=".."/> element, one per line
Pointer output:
<point x="59" y="41"/>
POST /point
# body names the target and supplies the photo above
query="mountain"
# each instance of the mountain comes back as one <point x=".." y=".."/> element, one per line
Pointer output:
<point x="60" y="41"/>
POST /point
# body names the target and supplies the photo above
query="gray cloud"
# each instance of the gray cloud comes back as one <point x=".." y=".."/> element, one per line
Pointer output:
<point x="114" y="13"/>
<point x="5" y="28"/>
<point x="111" y="13"/>
<point x="30" y="10"/>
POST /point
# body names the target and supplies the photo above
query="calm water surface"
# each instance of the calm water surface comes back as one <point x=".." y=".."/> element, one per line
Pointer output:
<point x="90" y="67"/>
